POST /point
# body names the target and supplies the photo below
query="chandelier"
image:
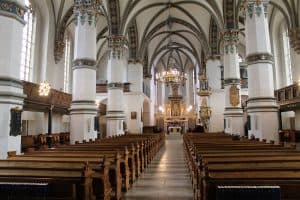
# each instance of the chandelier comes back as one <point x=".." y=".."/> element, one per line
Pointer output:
<point x="44" y="89"/>
<point x="172" y="76"/>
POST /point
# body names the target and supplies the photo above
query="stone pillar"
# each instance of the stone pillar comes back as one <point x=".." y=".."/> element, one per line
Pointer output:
<point x="134" y="100"/>
<point x="115" y="74"/>
<point x="295" y="60"/>
<point x="83" y="108"/>
<point x="135" y="76"/>
<point x="261" y="106"/>
<point x="188" y="91"/>
<point x="294" y="36"/>
<point x="147" y="85"/>
<point x="213" y="72"/>
<point x="11" y="88"/>
<point x="163" y="94"/>
<point x="233" y="114"/>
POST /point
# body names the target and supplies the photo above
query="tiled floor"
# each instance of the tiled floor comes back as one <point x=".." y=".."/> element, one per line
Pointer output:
<point x="166" y="178"/>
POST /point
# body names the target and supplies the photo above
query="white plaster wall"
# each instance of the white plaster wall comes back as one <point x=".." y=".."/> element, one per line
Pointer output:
<point x="38" y="122"/>
<point x="54" y="72"/>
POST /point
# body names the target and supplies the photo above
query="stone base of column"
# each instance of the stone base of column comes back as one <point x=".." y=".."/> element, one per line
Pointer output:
<point x="82" y="121"/>
<point x="11" y="97"/>
<point x="264" y="122"/>
<point x="115" y="123"/>
<point x="233" y="121"/>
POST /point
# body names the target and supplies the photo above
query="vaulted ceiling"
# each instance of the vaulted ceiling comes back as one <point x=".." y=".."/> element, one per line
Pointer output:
<point x="160" y="32"/>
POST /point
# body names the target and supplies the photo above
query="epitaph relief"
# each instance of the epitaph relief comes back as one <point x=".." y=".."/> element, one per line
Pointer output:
<point x="234" y="96"/>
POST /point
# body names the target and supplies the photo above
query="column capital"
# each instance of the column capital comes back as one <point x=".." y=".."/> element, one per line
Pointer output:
<point x="213" y="57"/>
<point x="116" y="45"/>
<point x="135" y="61"/>
<point x="13" y="9"/>
<point x="257" y="7"/>
<point x="231" y="40"/>
<point x="86" y="11"/>
<point x="147" y="76"/>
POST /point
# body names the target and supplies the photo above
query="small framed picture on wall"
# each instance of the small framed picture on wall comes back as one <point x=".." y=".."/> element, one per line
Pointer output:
<point x="133" y="115"/>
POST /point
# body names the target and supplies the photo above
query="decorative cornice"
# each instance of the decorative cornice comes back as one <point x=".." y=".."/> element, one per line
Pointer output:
<point x="261" y="99"/>
<point x="7" y="81"/>
<point x="231" y="40"/>
<point x="12" y="9"/>
<point x="115" y="85"/>
<point x="116" y="45"/>
<point x="231" y="81"/>
<point x="213" y="57"/>
<point x="259" y="58"/>
<point x="84" y="63"/>
<point x="85" y="102"/>
<point x="135" y="61"/>
<point x="147" y="76"/>
<point x="14" y="95"/>
<point x="115" y="112"/>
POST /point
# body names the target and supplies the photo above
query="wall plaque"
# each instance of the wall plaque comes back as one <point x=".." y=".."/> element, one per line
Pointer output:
<point x="15" y="122"/>
<point x="234" y="95"/>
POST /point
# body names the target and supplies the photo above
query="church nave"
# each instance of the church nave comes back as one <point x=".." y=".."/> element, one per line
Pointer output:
<point x="166" y="177"/>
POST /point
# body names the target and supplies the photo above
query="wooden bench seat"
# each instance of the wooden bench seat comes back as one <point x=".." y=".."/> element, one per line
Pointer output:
<point x="78" y="180"/>
<point x="218" y="160"/>
<point x="93" y="159"/>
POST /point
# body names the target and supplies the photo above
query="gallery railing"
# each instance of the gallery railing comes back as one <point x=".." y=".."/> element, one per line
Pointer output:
<point x="34" y="102"/>
<point x="288" y="98"/>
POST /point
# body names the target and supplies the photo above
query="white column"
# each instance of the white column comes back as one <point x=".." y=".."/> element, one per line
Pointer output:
<point x="213" y="72"/>
<point x="233" y="114"/>
<point x="152" y="98"/>
<point x="163" y="94"/>
<point x="134" y="100"/>
<point x="262" y="106"/>
<point x="115" y="74"/>
<point x="11" y="88"/>
<point x="83" y="108"/>
<point x="295" y="60"/>
<point x="188" y="92"/>
<point x="135" y="76"/>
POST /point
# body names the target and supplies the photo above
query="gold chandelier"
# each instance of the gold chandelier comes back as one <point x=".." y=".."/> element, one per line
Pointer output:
<point x="172" y="76"/>
<point x="44" y="89"/>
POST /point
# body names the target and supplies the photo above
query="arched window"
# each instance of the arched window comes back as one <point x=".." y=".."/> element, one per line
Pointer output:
<point x="26" y="71"/>
<point x="67" y="64"/>
<point x="287" y="57"/>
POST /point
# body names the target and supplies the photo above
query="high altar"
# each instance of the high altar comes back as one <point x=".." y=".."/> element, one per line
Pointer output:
<point x="176" y="115"/>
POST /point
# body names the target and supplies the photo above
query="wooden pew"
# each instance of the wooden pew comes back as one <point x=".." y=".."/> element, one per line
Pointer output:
<point x="65" y="180"/>
<point x="93" y="158"/>
<point x="216" y="160"/>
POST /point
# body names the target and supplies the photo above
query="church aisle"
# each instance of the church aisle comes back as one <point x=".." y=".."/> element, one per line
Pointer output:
<point x="166" y="177"/>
